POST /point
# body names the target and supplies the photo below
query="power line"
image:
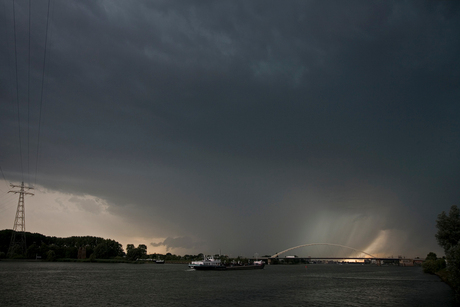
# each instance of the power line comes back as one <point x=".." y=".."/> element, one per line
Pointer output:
<point x="7" y="203"/>
<point x="17" y="90"/>
<point x="28" y="104"/>
<point x="5" y="198"/>
<point x="10" y="61"/>
<point x="4" y="177"/>
<point x="41" y="93"/>
<point x="20" y="120"/>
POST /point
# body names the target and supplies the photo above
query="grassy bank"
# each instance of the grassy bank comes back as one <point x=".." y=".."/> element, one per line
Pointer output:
<point x="444" y="275"/>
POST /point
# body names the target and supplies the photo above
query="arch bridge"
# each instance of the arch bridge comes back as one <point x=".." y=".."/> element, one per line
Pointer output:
<point x="328" y="244"/>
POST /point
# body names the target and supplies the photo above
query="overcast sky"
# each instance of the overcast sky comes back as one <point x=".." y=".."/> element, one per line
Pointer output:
<point x="240" y="126"/>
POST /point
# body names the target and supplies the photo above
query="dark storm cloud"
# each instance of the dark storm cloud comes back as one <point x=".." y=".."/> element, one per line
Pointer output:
<point x="210" y="119"/>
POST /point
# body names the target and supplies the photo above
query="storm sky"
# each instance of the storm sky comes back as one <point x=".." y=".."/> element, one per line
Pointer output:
<point x="235" y="126"/>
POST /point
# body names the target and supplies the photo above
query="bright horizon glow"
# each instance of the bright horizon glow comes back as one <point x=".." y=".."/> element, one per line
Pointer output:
<point x="54" y="213"/>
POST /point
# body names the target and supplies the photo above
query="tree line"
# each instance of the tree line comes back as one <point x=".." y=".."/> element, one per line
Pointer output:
<point x="52" y="248"/>
<point x="39" y="246"/>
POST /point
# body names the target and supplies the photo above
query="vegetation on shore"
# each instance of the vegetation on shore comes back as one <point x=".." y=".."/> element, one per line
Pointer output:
<point x="448" y="237"/>
<point x="433" y="264"/>
<point x="82" y="249"/>
<point x="49" y="248"/>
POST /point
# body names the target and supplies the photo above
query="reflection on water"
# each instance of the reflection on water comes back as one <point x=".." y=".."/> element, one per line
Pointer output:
<point x="97" y="284"/>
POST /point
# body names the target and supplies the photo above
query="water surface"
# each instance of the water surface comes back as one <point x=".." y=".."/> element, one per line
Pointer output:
<point x="98" y="284"/>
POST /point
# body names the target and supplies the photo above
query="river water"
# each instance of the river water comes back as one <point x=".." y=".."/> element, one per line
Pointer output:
<point x="98" y="284"/>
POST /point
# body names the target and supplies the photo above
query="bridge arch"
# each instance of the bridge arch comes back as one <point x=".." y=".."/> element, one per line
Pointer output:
<point x="330" y="244"/>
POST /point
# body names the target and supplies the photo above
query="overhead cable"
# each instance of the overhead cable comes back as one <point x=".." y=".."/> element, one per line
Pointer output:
<point x="41" y="92"/>
<point x="17" y="90"/>
<point x="28" y="105"/>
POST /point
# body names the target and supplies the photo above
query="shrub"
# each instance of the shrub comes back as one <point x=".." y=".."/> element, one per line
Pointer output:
<point x="433" y="266"/>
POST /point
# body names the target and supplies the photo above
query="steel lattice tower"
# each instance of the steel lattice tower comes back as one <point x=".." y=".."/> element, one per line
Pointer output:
<point x="18" y="237"/>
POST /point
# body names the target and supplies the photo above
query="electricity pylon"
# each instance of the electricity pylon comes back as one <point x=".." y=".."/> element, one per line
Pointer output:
<point x="18" y="243"/>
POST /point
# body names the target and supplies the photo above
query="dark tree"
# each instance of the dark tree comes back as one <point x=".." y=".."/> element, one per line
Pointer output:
<point x="448" y="234"/>
<point x="129" y="247"/>
<point x="432" y="264"/>
<point x="431" y="256"/>
<point x="143" y="247"/>
<point x="448" y="237"/>
<point x="136" y="253"/>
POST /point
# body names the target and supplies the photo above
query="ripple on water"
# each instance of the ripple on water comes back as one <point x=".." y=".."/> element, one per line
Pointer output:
<point x="97" y="284"/>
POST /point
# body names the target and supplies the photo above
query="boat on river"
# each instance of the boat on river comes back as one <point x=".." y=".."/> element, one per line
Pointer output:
<point x="209" y="263"/>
